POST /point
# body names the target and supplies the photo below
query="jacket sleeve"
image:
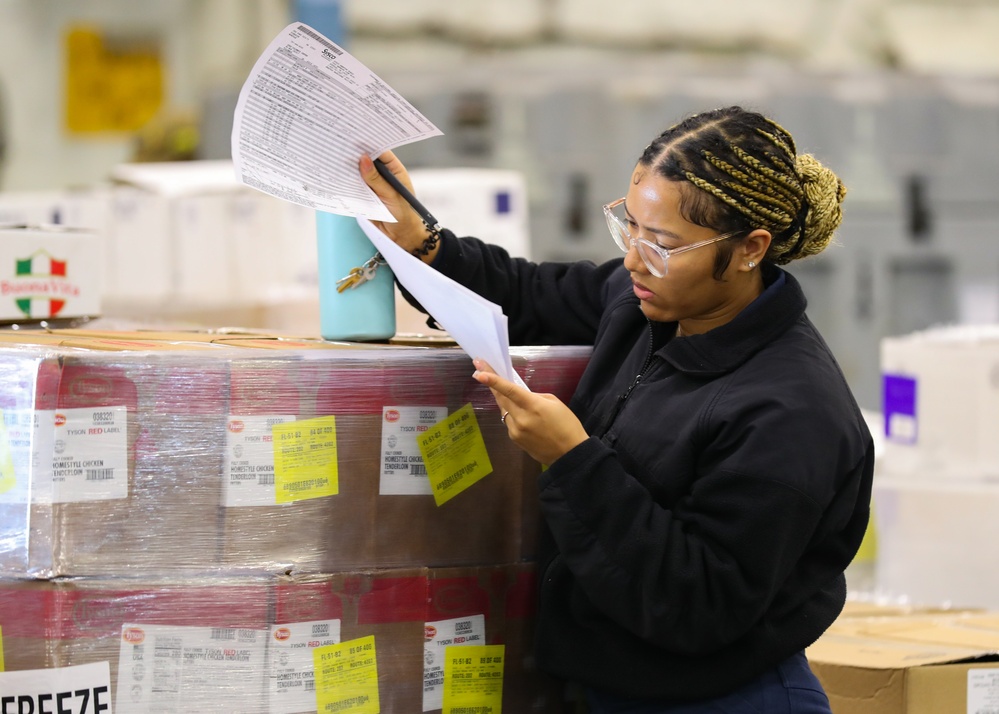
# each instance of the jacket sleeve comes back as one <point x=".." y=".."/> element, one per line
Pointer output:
<point x="758" y="532"/>
<point x="545" y="303"/>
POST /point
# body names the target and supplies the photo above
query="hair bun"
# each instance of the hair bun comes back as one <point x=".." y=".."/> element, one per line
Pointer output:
<point x="824" y="193"/>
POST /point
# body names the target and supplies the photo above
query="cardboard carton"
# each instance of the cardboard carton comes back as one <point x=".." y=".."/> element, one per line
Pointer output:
<point x="506" y="595"/>
<point x="920" y="664"/>
<point x="29" y="387"/>
<point x="941" y="402"/>
<point x="49" y="273"/>
<point x="389" y="605"/>
<point x="934" y="537"/>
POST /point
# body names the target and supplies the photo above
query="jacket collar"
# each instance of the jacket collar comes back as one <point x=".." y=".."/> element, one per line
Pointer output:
<point x="724" y="348"/>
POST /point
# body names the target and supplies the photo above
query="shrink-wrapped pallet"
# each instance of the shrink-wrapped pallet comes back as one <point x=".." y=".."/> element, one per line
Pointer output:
<point x="185" y="460"/>
<point x="213" y="516"/>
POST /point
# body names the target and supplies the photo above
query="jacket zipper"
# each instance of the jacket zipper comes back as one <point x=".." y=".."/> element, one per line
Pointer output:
<point x="634" y="383"/>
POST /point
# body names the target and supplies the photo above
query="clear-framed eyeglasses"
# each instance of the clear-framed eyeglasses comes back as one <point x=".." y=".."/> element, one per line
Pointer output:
<point x="655" y="256"/>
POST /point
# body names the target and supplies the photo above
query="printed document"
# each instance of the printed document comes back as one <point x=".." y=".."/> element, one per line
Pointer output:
<point x="307" y="113"/>
<point x="305" y="116"/>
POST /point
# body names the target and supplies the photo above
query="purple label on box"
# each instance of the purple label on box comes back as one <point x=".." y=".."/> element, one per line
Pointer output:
<point x="502" y="202"/>
<point x="899" y="404"/>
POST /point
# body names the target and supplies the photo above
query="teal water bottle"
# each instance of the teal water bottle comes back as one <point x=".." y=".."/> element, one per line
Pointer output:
<point x="366" y="312"/>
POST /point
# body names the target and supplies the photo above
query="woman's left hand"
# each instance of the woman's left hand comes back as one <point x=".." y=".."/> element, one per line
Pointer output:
<point x="540" y="424"/>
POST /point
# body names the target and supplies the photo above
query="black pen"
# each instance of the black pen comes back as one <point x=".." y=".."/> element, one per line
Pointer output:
<point x="427" y="217"/>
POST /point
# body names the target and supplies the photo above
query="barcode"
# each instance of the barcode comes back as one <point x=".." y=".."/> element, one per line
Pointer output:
<point x="990" y="710"/>
<point x="322" y="40"/>
<point x="99" y="474"/>
<point x="471" y="710"/>
<point x="223" y="633"/>
<point x="264" y="479"/>
<point x="310" y="685"/>
<point x="417" y="470"/>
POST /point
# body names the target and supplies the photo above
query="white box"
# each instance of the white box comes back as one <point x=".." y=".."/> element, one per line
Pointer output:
<point x="941" y="402"/>
<point x="140" y="256"/>
<point x="938" y="543"/>
<point x="490" y="204"/>
<point x="193" y="234"/>
<point x="202" y="238"/>
<point x="49" y="272"/>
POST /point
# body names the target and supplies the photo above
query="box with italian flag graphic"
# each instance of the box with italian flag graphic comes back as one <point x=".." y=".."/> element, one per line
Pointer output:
<point x="48" y="272"/>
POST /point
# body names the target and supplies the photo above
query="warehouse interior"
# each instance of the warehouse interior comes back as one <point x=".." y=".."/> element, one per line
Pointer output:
<point x="116" y="123"/>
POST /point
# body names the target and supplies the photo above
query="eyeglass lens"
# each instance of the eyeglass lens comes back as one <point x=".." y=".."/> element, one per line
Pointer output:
<point x="653" y="259"/>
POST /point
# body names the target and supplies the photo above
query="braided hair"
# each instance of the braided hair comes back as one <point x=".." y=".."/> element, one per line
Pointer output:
<point x="741" y="171"/>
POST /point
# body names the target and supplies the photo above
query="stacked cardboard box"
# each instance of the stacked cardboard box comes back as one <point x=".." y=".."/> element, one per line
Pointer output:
<point x="152" y="519"/>
<point x="907" y="661"/>
<point x="936" y="491"/>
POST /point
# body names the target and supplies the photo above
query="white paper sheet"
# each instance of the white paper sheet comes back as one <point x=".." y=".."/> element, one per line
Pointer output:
<point x="305" y="115"/>
<point x="477" y="325"/>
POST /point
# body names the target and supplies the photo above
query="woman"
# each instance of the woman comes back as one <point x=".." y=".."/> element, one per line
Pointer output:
<point x="709" y="481"/>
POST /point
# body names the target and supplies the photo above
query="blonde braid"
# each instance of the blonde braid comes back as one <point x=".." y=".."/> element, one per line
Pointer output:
<point x="776" y="140"/>
<point x="782" y="184"/>
<point x="750" y="176"/>
<point x="825" y="193"/>
<point x="765" y="191"/>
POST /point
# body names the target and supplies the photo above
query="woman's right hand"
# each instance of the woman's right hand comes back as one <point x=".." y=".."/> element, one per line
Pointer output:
<point x="409" y="232"/>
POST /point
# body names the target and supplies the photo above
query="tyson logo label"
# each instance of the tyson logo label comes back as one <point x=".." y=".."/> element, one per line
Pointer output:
<point x="429" y="632"/>
<point x="391" y="415"/>
<point x="60" y="419"/>
<point x="236" y="426"/>
<point x="133" y="635"/>
<point x="281" y="634"/>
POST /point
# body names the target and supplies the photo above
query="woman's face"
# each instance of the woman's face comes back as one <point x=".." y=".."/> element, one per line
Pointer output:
<point x="689" y="290"/>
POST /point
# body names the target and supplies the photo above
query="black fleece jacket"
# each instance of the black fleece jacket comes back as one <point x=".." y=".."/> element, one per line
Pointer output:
<point x="700" y="535"/>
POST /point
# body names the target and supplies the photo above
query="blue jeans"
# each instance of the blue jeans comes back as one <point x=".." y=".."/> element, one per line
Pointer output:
<point x="788" y="688"/>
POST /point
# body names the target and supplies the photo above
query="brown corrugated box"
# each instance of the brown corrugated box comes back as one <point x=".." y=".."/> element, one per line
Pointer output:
<point x="168" y="522"/>
<point x="905" y="664"/>
<point x="390" y="605"/>
<point x="506" y="595"/>
<point x="323" y="534"/>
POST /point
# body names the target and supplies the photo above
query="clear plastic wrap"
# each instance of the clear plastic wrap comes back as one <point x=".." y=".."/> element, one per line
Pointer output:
<point x="163" y="489"/>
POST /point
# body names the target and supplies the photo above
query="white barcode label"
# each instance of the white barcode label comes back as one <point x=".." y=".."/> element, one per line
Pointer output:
<point x="438" y="636"/>
<point x="292" y="670"/>
<point x="187" y="669"/>
<point x="249" y="459"/>
<point x="89" y="456"/>
<point x="983" y="691"/>
<point x="403" y="470"/>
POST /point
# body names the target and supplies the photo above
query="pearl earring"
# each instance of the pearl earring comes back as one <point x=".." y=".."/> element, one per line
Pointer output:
<point x="752" y="265"/>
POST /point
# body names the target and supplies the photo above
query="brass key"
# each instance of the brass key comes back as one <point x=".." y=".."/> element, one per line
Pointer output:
<point x="351" y="280"/>
<point x="358" y="276"/>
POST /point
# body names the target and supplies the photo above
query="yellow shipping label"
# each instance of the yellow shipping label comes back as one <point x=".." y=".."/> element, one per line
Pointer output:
<point x="305" y="464"/>
<point x="473" y="678"/>
<point x="455" y="454"/>
<point x="347" y="677"/>
<point x="8" y="478"/>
